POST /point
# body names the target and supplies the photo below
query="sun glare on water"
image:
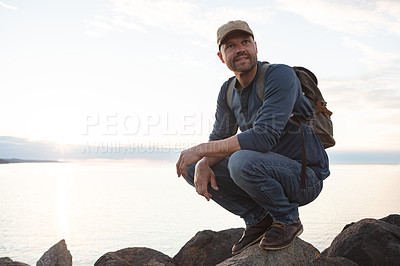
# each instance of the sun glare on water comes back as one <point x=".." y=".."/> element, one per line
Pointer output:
<point x="63" y="183"/>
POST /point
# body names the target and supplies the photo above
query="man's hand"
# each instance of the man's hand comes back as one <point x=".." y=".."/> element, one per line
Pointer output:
<point x="187" y="158"/>
<point x="202" y="176"/>
<point x="218" y="148"/>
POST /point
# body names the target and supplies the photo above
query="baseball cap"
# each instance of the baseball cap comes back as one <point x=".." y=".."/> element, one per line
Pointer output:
<point x="231" y="26"/>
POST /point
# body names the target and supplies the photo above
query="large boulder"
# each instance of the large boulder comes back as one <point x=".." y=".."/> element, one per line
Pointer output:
<point x="299" y="253"/>
<point x="336" y="261"/>
<point x="369" y="242"/>
<point x="208" y="247"/>
<point x="56" y="255"/>
<point x="134" y="257"/>
<point x="6" y="261"/>
<point x="392" y="219"/>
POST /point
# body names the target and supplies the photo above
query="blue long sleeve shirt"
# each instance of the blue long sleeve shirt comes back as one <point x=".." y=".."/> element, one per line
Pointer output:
<point x="266" y="125"/>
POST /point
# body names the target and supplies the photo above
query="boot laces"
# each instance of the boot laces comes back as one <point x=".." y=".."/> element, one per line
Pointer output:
<point x="279" y="225"/>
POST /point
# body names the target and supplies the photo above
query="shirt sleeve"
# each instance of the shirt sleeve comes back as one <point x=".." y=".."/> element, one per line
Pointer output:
<point x="225" y="124"/>
<point x="282" y="88"/>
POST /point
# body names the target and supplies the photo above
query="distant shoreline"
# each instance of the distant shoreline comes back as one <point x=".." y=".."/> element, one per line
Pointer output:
<point x="102" y="160"/>
<point x="15" y="160"/>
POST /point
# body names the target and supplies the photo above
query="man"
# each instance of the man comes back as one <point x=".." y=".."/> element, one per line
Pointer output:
<point x="256" y="174"/>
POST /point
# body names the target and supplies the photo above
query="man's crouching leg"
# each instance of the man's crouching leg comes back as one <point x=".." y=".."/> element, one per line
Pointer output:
<point x="273" y="181"/>
<point x="237" y="201"/>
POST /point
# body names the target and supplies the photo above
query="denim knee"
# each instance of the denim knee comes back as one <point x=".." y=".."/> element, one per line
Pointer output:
<point x="237" y="163"/>
<point x="190" y="174"/>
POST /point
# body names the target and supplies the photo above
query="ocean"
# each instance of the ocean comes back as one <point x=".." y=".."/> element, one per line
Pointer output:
<point x="102" y="207"/>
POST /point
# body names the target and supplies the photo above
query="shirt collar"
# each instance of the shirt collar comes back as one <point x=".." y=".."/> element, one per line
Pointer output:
<point x="250" y="86"/>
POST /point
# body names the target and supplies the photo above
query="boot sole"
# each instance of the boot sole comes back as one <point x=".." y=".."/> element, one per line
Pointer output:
<point x="285" y="246"/>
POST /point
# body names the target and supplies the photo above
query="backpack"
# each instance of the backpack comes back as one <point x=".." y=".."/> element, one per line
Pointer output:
<point x="320" y="123"/>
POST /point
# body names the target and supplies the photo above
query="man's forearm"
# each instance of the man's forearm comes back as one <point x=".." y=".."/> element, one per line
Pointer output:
<point x="219" y="148"/>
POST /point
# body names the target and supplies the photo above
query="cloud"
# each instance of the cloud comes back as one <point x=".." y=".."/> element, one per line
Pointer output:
<point x="366" y="112"/>
<point x="377" y="63"/>
<point x="372" y="98"/>
<point x="99" y="25"/>
<point x="359" y="17"/>
<point x="178" y="16"/>
<point x="4" y="5"/>
<point x="156" y="13"/>
<point x="377" y="86"/>
<point x="362" y="93"/>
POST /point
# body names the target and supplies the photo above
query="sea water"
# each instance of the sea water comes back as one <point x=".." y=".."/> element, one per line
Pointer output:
<point x="102" y="207"/>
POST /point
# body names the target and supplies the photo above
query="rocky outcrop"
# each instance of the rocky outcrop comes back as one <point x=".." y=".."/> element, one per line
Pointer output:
<point x="134" y="257"/>
<point x="336" y="261"/>
<point x="6" y="261"/>
<point x="299" y="253"/>
<point x="366" y="242"/>
<point x="369" y="242"/>
<point x="392" y="219"/>
<point x="56" y="255"/>
<point x="208" y="247"/>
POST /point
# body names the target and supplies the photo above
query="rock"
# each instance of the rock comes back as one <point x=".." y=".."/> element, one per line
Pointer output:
<point x="208" y="247"/>
<point x="9" y="262"/>
<point x="336" y="261"/>
<point x="299" y="253"/>
<point x="57" y="255"/>
<point x="134" y="256"/>
<point x="392" y="219"/>
<point x="369" y="242"/>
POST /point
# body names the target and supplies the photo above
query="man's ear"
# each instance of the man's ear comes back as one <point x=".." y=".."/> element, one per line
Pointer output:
<point x="220" y="57"/>
<point x="255" y="43"/>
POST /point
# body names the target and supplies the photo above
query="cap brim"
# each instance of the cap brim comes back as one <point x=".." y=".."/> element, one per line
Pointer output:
<point x="231" y="32"/>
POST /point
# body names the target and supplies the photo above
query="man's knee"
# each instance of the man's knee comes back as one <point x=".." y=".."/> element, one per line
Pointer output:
<point x="239" y="162"/>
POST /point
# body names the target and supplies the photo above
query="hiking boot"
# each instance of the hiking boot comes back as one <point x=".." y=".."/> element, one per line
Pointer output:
<point x="280" y="236"/>
<point x="252" y="234"/>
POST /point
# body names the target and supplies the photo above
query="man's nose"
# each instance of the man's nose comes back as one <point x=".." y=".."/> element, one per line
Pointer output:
<point x="240" y="49"/>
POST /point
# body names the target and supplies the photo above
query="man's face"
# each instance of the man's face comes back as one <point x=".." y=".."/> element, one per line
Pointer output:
<point x="239" y="52"/>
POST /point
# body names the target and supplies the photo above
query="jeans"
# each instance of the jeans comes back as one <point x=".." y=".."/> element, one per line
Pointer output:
<point x="253" y="184"/>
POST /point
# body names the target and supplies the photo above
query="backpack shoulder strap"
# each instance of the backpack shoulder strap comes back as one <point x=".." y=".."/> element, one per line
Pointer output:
<point x="229" y="92"/>
<point x="260" y="86"/>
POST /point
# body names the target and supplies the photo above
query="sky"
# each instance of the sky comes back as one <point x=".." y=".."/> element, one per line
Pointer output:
<point x="147" y="72"/>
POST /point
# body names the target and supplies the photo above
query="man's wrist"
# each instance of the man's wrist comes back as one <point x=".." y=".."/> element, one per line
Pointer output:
<point x="205" y="161"/>
<point x="202" y="150"/>
<point x="210" y="161"/>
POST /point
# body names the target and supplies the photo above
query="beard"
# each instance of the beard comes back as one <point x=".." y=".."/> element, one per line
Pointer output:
<point x="242" y="67"/>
